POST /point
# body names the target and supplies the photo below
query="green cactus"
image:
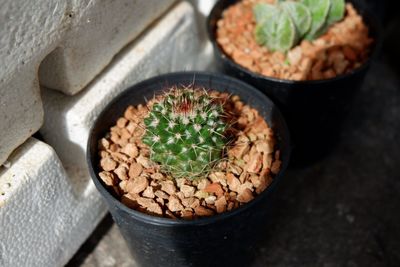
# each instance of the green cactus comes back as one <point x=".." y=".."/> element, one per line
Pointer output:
<point x="277" y="33"/>
<point x="185" y="132"/>
<point x="300" y="15"/>
<point x="319" y="13"/>
<point x="281" y="26"/>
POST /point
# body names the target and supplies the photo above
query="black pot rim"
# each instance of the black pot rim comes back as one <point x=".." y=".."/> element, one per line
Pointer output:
<point x="214" y="14"/>
<point x="169" y="222"/>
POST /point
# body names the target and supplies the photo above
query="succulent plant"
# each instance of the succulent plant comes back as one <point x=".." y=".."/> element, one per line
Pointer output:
<point x="281" y="26"/>
<point x="185" y="132"/>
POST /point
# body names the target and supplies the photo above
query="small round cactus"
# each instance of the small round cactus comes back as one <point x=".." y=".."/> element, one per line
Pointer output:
<point x="185" y="132"/>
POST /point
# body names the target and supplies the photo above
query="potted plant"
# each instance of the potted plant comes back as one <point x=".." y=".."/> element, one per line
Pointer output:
<point x="309" y="56"/>
<point x="188" y="173"/>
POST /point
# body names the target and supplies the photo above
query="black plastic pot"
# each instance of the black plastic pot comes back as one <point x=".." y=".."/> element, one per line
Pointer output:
<point x="314" y="110"/>
<point x="226" y="239"/>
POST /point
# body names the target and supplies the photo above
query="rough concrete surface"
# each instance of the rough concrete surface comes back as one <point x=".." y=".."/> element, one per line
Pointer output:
<point x="26" y="37"/>
<point x="42" y="221"/>
<point x="99" y="30"/>
<point x="342" y="211"/>
<point x="71" y="41"/>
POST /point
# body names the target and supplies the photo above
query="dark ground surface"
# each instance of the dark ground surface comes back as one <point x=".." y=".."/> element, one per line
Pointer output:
<point x="343" y="210"/>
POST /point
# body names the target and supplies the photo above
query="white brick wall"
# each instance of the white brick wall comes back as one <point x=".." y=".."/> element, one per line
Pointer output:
<point x="42" y="220"/>
<point x="100" y="28"/>
<point x="51" y="208"/>
<point x="26" y="37"/>
<point x="77" y="39"/>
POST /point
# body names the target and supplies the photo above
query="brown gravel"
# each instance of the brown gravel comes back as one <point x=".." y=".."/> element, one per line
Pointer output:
<point x="344" y="47"/>
<point x="251" y="163"/>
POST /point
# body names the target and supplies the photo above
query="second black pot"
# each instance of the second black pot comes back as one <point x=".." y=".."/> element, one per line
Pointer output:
<point x="314" y="110"/>
<point x="227" y="239"/>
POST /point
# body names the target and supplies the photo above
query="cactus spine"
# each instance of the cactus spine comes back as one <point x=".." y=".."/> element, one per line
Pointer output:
<point x="185" y="132"/>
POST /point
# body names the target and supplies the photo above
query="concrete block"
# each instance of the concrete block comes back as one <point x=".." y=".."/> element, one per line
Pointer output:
<point x="42" y="220"/>
<point x="100" y="29"/>
<point x="205" y="57"/>
<point x="77" y="39"/>
<point x="171" y="44"/>
<point x="29" y="31"/>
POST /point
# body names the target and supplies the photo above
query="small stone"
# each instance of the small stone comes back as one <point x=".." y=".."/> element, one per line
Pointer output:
<point x="305" y="65"/>
<point x="174" y="204"/>
<point x="187" y="214"/>
<point x="125" y="136"/>
<point x="129" y="201"/>
<point x="244" y="186"/>
<point x="160" y="201"/>
<point x="137" y="184"/>
<point x="131" y="127"/>
<point x="104" y="154"/>
<point x="150" y="205"/>
<point x="294" y="55"/>
<point x="122" y="185"/>
<point x="262" y="146"/>
<point x="235" y="169"/>
<point x="130" y="113"/>
<point x="113" y="148"/>
<point x="187" y="190"/>
<point x="154" y="208"/>
<point x="221" y="204"/>
<point x="168" y="187"/>
<point x="243" y="176"/>
<point x="191" y="202"/>
<point x="255" y="162"/>
<point x="328" y="74"/>
<point x="210" y="200"/>
<point x="104" y="144"/>
<point x="180" y="195"/>
<point x="180" y="182"/>
<point x="107" y="178"/>
<point x="148" y="192"/>
<point x="145" y="162"/>
<point x="245" y="196"/>
<point x="267" y="161"/>
<point x="119" y="157"/>
<point x="108" y="164"/>
<point x="161" y="194"/>
<point x="257" y="180"/>
<point x="144" y="202"/>
<point x="201" y="194"/>
<point x="218" y="177"/>
<point x="233" y="182"/>
<point x="135" y="170"/>
<point x="202" y="211"/>
<point x="202" y="184"/>
<point x="252" y="137"/>
<point x="121" y="172"/>
<point x="131" y="150"/>
<point x="349" y="53"/>
<point x="214" y="188"/>
<point x="239" y="149"/>
<point x="121" y="122"/>
<point x="157" y="176"/>
<point x="170" y="214"/>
